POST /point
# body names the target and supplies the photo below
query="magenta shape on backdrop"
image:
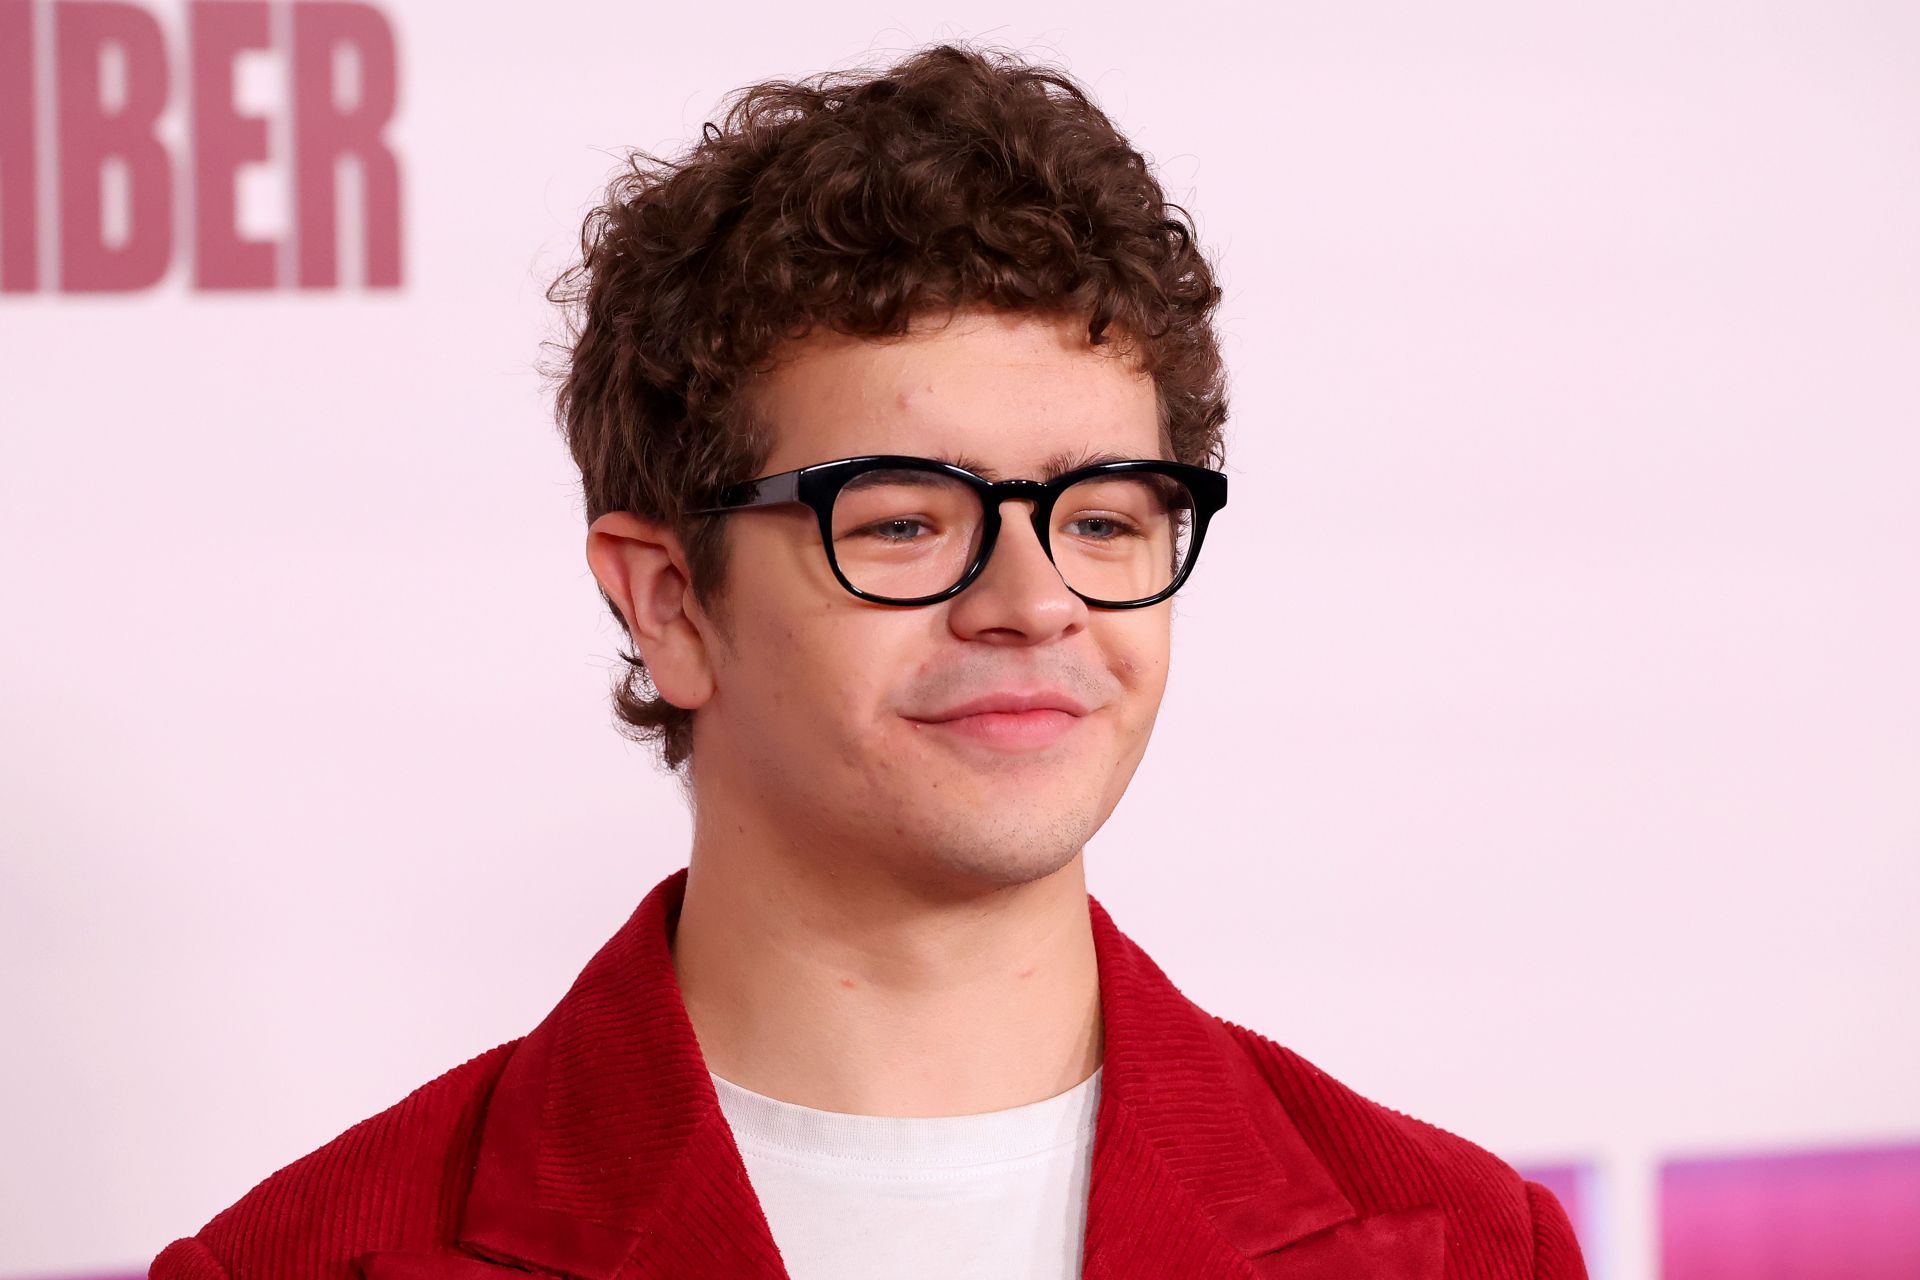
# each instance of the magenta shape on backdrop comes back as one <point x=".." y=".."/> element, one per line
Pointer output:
<point x="1810" y="1215"/>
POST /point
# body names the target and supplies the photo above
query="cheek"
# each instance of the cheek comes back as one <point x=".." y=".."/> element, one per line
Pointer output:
<point x="1138" y="649"/>
<point x="781" y="662"/>
<point x="829" y="671"/>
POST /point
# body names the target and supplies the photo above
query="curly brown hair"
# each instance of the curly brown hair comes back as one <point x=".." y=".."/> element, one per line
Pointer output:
<point x="859" y="201"/>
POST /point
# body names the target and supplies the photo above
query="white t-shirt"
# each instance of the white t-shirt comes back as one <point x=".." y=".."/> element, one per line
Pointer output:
<point x="853" y="1197"/>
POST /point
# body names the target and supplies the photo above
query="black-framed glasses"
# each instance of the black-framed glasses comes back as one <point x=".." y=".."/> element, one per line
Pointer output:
<point x="913" y="531"/>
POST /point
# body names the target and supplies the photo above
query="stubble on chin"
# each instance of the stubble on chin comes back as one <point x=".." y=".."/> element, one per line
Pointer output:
<point x="992" y="843"/>
<point x="964" y="821"/>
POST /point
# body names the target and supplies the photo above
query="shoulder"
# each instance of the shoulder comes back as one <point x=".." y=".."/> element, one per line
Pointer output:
<point x="1384" y="1160"/>
<point x="394" y="1180"/>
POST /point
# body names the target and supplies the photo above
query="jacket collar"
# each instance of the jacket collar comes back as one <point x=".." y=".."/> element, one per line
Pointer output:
<point x="604" y="1151"/>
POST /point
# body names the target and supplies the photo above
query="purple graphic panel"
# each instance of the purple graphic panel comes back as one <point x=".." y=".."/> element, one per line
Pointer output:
<point x="1802" y="1216"/>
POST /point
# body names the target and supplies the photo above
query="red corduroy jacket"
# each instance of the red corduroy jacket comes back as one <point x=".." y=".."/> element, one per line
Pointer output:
<point x="594" y="1148"/>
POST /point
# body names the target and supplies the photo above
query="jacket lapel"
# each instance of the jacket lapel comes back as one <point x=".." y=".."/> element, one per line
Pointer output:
<point x="604" y="1154"/>
<point x="604" y="1151"/>
<point x="1197" y="1169"/>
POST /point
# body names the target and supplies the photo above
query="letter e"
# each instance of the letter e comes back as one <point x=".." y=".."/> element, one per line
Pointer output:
<point x="223" y="140"/>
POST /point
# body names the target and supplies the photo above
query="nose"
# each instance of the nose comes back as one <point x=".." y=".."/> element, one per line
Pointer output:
<point x="1019" y="597"/>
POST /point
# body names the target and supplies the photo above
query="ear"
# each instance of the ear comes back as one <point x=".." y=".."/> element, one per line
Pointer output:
<point x="642" y="567"/>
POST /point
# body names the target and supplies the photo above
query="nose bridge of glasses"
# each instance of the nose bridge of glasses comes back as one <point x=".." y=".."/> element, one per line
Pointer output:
<point x="1037" y="498"/>
<point x="1032" y="492"/>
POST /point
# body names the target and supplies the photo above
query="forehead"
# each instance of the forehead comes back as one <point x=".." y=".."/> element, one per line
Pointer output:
<point x="998" y="392"/>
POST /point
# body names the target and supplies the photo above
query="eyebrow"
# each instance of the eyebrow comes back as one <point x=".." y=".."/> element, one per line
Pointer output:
<point x="1056" y="465"/>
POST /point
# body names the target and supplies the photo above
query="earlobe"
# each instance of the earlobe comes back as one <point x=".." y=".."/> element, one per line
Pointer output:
<point x="641" y="566"/>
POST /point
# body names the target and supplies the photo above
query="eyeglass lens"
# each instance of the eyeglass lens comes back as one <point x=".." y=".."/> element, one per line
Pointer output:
<point x="903" y="534"/>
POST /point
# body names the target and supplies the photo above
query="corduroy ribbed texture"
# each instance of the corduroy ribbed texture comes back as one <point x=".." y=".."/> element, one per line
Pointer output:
<point x="1384" y="1160"/>
<point x="594" y="1148"/>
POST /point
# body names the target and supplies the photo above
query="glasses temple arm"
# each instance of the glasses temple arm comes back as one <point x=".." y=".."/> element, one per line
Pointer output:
<point x="766" y="492"/>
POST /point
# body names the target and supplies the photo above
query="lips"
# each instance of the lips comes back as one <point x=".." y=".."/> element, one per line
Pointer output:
<point x="1009" y="721"/>
<point x="1008" y="703"/>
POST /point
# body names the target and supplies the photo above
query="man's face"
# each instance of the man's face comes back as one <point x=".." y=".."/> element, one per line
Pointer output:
<point x="835" y="717"/>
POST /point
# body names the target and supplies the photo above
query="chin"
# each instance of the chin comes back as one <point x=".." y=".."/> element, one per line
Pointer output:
<point x="1016" y="842"/>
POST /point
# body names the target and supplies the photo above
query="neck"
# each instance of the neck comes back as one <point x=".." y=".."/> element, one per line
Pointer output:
<point x="836" y="984"/>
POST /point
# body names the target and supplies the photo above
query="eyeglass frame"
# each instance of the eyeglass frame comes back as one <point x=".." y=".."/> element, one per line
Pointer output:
<point x="818" y="486"/>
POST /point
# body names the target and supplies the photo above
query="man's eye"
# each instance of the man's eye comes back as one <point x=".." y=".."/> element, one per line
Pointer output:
<point x="1101" y="528"/>
<point x="904" y="529"/>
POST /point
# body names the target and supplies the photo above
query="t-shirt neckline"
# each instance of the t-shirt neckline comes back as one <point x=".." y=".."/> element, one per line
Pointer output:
<point x="839" y="1138"/>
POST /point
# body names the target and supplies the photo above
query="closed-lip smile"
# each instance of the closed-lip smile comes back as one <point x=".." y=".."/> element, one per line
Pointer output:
<point x="1011" y="703"/>
<point x="1008" y="720"/>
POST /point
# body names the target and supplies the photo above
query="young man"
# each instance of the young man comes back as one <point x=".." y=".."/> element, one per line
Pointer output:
<point x="897" y="405"/>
